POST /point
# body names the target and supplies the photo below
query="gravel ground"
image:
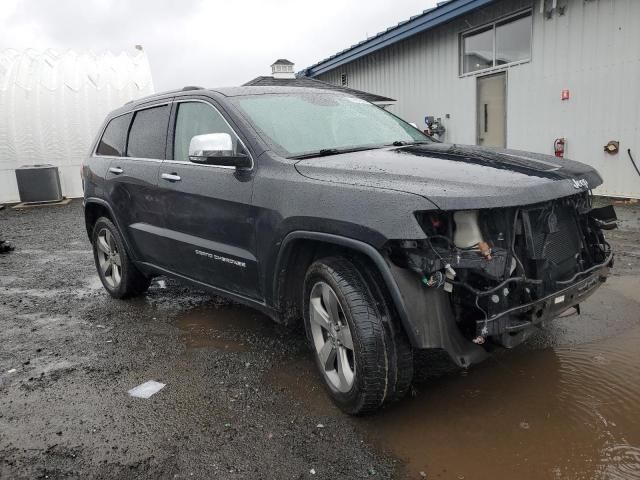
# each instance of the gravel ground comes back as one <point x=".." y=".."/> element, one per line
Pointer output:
<point x="65" y="412"/>
<point x="241" y="399"/>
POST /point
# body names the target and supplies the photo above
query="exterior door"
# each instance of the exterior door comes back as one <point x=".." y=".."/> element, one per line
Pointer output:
<point x="132" y="178"/>
<point x="492" y="110"/>
<point x="207" y="209"/>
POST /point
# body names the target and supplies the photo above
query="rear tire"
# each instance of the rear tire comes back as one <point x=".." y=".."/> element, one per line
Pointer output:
<point x="117" y="272"/>
<point x="346" y="327"/>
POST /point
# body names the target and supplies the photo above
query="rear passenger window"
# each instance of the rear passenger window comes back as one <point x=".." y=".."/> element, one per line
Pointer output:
<point x="148" y="133"/>
<point x="114" y="137"/>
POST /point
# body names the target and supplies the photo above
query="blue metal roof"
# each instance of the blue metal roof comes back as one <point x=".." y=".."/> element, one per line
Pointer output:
<point x="442" y="13"/>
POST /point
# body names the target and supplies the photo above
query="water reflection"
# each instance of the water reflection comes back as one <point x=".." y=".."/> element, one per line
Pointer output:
<point x="226" y="327"/>
<point x="566" y="411"/>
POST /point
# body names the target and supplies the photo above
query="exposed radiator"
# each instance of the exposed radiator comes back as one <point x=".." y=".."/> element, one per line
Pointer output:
<point x="556" y="238"/>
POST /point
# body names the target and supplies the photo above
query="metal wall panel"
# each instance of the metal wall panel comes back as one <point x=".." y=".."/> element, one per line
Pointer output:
<point x="593" y="50"/>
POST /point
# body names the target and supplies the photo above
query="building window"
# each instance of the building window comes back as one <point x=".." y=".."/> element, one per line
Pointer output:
<point x="478" y="51"/>
<point x="344" y="81"/>
<point x="500" y="43"/>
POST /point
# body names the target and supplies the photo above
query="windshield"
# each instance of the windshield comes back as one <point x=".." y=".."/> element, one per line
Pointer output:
<point x="304" y="123"/>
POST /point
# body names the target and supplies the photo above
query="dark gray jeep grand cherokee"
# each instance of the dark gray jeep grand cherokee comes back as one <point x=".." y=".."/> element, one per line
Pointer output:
<point x="315" y="205"/>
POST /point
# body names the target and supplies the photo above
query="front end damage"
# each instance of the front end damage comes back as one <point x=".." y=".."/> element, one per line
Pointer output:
<point x="493" y="275"/>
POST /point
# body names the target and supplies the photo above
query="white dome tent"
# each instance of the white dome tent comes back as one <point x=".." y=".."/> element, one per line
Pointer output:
<point x="52" y="104"/>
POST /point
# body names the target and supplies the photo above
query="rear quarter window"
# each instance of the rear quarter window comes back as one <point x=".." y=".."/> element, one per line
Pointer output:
<point x="114" y="137"/>
<point x="148" y="133"/>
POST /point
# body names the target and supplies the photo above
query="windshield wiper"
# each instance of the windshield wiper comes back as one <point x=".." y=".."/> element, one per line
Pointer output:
<point x="325" y="152"/>
<point x="336" y="151"/>
<point x="328" y="151"/>
<point x="402" y="143"/>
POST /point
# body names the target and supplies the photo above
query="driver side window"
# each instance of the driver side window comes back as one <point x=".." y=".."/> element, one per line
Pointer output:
<point x="197" y="118"/>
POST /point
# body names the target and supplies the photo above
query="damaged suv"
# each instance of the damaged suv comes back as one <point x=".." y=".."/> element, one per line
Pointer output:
<point x="316" y="206"/>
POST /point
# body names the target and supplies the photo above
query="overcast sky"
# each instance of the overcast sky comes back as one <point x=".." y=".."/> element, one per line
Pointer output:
<point x="199" y="42"/>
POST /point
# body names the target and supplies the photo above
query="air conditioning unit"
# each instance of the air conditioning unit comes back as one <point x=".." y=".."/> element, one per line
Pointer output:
<point x="39" y="183"/>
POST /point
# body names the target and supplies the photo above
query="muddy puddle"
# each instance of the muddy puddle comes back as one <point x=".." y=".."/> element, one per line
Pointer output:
<point x="91" y="284"/>
<point x="223" y="327"/>
<point x="300" y="380"/>
<point x="566" y="405"/>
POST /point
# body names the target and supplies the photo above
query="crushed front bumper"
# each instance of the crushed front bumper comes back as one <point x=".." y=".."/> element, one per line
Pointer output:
<point x="512" y="326"/>
<point x="431" y="323"/>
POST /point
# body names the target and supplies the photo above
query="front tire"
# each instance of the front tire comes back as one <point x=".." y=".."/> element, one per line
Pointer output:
<point x="352" y="346"/>
<point x="117" y="272"/>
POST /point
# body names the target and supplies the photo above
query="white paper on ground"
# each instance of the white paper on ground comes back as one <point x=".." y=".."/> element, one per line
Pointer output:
<point x="146" y="389"/>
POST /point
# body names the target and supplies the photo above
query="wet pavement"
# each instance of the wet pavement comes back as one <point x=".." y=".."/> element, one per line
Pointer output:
<point x="570" y="411"/>
<point x="243" y="400"/>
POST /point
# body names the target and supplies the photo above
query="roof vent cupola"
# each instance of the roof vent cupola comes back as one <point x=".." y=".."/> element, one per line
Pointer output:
<point x="282" y="68"/>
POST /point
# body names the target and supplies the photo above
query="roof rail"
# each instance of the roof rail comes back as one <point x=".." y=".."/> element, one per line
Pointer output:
<point x="160" y="94"/>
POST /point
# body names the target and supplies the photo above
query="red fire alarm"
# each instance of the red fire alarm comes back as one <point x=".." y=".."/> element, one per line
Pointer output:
<point x="565" y="94"/>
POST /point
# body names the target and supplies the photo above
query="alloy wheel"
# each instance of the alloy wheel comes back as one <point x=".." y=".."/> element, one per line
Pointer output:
<point x="109" y="258"/>
<point x="332" y="337"/>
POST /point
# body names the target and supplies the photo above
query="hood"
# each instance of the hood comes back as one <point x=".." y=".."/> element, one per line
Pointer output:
<point x="457" y="176"/>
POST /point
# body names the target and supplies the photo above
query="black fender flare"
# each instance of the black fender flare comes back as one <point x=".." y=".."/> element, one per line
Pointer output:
<point x="369" y="251"/>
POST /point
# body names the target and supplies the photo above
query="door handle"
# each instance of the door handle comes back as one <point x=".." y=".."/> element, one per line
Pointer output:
<point x="486" y="118"/>
<point x="170" y="177"/>
<point x="116" y="170"/>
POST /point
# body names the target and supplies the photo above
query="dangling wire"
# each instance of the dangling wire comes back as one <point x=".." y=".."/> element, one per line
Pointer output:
<point x="633" y="161"/>
<point x="513" y="243"/>
<point x="434" y="250"/>
<point x="485" y="329"/>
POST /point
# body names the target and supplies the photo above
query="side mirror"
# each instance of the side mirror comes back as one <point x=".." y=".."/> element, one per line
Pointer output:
<point x="216" y="149"/>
